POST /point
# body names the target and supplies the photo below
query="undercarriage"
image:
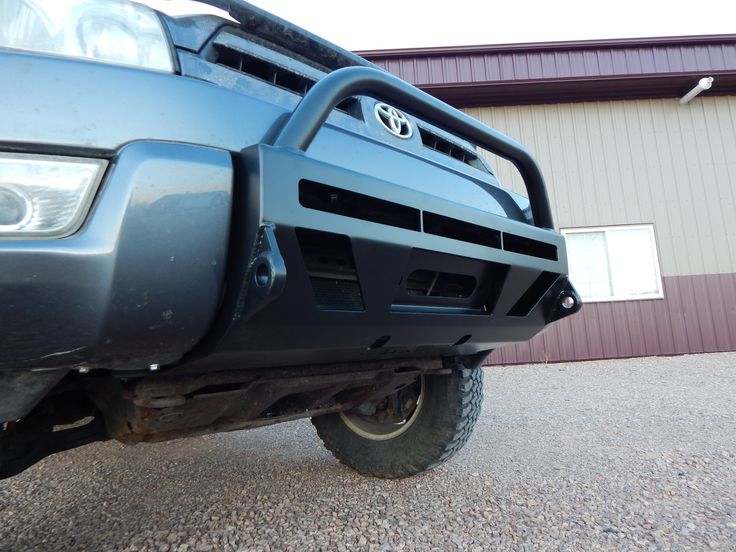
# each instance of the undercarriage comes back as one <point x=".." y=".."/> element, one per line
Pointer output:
<point x="134" y="408"/>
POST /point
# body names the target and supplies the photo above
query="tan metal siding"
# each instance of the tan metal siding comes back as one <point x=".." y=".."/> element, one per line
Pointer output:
<point x="637" y="161"/>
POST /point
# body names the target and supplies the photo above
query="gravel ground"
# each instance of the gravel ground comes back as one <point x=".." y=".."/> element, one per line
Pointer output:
<point x="615" y="455"/>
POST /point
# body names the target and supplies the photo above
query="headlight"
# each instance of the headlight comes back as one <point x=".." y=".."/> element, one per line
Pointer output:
<point x="44" y="195"/>
<point x="113" y="31"/>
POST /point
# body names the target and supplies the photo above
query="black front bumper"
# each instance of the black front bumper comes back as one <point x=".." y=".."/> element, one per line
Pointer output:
<point x="328" y="259"/>
<point x="158" y="275"/>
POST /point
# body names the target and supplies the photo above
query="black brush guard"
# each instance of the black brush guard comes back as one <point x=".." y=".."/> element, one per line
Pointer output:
<point x="276" y="310"/>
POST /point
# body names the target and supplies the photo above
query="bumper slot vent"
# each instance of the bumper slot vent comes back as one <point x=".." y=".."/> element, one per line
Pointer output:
<point x="460" y="230"/>
<point x="473" y="287"/>
<point x="430" y="283"/>
<point x="272" y="73"/>
<point x="528" y="246"/>
<point x="533" y="295"/>
<point x="331" y="269"/>
<point x="338" y="201"/>
<point x="439" y="144"/>
<point x="351" y="204"/>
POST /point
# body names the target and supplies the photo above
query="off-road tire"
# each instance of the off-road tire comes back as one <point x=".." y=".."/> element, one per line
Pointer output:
<point x="451" y="405"/>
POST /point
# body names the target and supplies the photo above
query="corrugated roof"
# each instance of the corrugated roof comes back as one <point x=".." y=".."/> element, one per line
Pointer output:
<point x="565" y="71"/>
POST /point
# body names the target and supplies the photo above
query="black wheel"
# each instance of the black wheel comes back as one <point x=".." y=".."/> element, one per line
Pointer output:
<point x="411" y="431"/>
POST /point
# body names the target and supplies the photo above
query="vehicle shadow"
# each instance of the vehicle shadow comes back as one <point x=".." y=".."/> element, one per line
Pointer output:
<point x="222" y="491"/>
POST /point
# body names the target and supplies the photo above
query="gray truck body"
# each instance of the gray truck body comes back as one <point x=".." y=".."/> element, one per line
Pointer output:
<point x="255" y="218"/>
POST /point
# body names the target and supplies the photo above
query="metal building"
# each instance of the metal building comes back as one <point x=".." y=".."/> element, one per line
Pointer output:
<point x="644" y="187"/>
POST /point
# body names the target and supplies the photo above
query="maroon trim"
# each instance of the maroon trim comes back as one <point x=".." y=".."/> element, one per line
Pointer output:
<point x="471" y="76"/>
<point x="559" y="45"/>
<point x="627" y="88"/>
<point x="697" y="315"/>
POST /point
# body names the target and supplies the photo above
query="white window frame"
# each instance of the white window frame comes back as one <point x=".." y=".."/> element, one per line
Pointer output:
<point x="655" y="253"/>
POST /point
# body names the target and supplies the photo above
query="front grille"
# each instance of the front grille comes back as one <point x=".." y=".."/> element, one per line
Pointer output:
<point x="437" y="143"/>
<point x="271" y="72"/>
<point x="263" y="70"/>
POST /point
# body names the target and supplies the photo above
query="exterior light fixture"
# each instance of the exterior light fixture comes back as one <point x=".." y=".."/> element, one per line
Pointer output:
<point x="703" y="84"/>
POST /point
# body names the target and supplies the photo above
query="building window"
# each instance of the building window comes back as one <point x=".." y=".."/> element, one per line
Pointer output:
<point x="614" y="263"/>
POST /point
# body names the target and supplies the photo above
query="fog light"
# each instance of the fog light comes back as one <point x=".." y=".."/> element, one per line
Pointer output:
<point x="16" y="208"/>
<point x="44" y="196"/>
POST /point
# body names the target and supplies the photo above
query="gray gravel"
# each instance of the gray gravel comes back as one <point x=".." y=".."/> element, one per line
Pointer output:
<point x="615" y="455"/>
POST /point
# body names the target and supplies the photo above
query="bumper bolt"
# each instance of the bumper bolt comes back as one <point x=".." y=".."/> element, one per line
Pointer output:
<point x="567" y="302"/>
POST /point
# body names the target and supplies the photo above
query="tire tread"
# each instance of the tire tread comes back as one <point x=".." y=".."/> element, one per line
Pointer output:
<point x="435" y="441"/>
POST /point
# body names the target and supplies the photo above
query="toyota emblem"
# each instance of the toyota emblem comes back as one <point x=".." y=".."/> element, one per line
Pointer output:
<point x="393" y="120"/>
